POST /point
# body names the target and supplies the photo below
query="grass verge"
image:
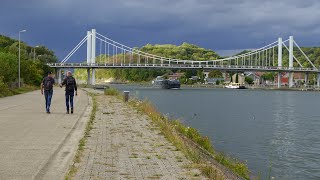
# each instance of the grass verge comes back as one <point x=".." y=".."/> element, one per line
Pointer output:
<point x="111" y="92"/>
<point x="179" y="134"/>
<point x="77" y="159"/>
<point x="5" y="92"/>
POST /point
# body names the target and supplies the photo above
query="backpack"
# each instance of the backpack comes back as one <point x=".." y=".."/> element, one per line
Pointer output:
<point x="70" y="83"/>
<point x="47" y="85"/>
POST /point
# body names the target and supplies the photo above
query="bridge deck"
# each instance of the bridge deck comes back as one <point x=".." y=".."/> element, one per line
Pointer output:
<point x="186" y="66"/>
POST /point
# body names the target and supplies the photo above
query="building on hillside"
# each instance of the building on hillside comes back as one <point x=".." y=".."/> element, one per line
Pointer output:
<point x="298" y="79"/>
<point x="206" y="74"/>
<point x="241" y="78"/>
<point x="256" y="77"/>
<point x="175" y="76"/>
<point x="194" y="78"/>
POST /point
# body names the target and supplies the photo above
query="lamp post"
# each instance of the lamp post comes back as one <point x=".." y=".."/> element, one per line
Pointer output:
<point x="22" y="31"/>
<point x="34" y="53"/>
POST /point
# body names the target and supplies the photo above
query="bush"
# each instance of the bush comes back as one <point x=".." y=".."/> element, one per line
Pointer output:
<point x="4" y="89"/>
<point x="111" y="92"/>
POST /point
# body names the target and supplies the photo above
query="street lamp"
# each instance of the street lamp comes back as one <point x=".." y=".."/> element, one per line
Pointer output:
<point x="34" y="53"/>
<point x="22" y="31"/>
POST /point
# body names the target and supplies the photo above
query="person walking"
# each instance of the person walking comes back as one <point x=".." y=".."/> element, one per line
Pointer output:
<point x="47" y="90"/>
<point x="71" y="89"/>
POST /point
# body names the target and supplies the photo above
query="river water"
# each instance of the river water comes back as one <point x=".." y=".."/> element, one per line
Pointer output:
<point x="276" y="132"/>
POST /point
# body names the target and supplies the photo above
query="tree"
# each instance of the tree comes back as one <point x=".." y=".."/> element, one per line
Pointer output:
<point x="31" y="71"/>
<point x="268" y="76"/>
<point x="215" y="74"/>
<point x="248" y="80"/>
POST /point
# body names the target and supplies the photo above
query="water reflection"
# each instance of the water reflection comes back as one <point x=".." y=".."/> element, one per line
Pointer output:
<point x="283" y="141"/>
<point x="262" y="127"/>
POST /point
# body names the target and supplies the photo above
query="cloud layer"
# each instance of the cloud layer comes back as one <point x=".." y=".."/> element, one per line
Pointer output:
<point x="216" y="24"/>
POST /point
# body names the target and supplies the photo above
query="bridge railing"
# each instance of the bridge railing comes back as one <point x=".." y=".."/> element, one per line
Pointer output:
<point x="172" y="65"/>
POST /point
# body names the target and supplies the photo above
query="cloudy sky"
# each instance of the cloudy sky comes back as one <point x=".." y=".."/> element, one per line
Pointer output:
<point x="215" y="24"/>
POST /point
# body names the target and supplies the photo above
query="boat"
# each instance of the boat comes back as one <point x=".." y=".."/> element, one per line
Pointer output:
<point x="166" y="83"/>
<point x="235" y="86"/>
<point x="157" y="82"/>
<point x="170" y="84"/>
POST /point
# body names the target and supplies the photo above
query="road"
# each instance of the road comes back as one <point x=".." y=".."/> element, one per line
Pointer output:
<point x="36" y="145"/>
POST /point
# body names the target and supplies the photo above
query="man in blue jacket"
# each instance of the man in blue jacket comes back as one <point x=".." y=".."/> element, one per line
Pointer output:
<point x="47" y="89"/>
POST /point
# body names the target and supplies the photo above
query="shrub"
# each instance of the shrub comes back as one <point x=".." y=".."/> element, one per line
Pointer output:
<point x="111" y="92"/>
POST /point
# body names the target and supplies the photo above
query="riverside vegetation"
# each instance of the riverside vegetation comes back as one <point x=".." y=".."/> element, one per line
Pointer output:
<point x="33" y="68"/>
<point x="175" y="132"/>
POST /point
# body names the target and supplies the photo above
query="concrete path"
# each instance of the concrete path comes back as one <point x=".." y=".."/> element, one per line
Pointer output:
<point x="36" y="145"/>
<point x="124" y="144"/>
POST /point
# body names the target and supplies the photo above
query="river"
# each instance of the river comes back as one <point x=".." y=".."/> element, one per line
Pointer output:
<point x="276" y="133"/>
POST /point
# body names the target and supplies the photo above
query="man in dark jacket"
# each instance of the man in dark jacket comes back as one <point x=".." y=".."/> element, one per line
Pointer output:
<point x="47" y="89"/>
<point x="71" y="89"/>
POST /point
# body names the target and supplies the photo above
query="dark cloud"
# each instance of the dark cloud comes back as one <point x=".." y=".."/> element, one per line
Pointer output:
<point x="215" y="24"/>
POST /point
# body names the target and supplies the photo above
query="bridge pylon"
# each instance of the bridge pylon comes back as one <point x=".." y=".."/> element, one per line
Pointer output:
<point x="91" y="55"/>
<point x="318" y="81"/>
<point x="279" y="60"/>
<point x="290" y="80"/>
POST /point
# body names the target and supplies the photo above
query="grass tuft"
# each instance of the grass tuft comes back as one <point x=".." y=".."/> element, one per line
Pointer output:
<point x="111" y="92"/>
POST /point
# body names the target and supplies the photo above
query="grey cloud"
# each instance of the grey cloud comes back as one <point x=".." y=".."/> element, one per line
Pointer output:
<point x="198" y="13"/>
<point x="223" y="24"/>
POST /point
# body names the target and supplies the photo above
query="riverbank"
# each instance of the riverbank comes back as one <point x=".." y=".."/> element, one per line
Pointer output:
<point x="124" y="144"/>
<point x="194" y="146"/>
<point x="203" y="86"/>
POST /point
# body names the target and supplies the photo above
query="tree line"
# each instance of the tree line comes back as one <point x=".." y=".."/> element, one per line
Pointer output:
<point x="32" y="63"/>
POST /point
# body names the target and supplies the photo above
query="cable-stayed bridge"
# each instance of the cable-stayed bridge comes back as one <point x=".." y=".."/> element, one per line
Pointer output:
<point x="112" y="54"/>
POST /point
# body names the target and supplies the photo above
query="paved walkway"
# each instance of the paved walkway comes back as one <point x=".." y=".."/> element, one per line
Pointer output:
<point x="125" y="145"/>
<point x="36" y="145"/>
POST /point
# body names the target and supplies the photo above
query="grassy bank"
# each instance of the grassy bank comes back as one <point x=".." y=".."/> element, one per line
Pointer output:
<point x="189" y="141"/>
<point x="73" y="168"/>
<point x="4" y="91"/>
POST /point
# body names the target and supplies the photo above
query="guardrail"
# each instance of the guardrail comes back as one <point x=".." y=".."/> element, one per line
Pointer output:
<point x="232" y="67"/>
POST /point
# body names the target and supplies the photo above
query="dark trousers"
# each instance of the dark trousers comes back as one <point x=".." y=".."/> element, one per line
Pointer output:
<point x="69" y="99"/>
<point x="48" y="96"/>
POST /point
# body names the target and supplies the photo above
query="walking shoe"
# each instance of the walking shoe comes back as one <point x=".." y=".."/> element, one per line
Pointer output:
<point x="71" y="110"/>
<point x="68" y="111"/>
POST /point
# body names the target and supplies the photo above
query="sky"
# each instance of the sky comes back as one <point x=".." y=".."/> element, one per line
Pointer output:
<point x="225" y="26"/>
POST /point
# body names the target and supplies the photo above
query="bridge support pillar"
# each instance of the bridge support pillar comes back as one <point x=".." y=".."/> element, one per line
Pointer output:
<point x="290" y="80"/>
<point x="279" y="61"/>
<point x="93" y="80"/>
<point x="59" y="74"/>
<point x="306" y="79"/>
<point x="89" y="78"/>
<point x="279" y="80"/>
<point x="318" y="80"/>
<point x="56" y="75"/>
<point x="290" y="61"/>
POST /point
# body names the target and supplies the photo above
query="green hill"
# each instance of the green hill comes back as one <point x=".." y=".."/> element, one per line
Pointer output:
<point x="184" y="51"/>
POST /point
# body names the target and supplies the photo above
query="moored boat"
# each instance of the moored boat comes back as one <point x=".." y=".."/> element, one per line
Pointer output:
<point x="235" y="86"/>
<point x="171" y="84"/>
